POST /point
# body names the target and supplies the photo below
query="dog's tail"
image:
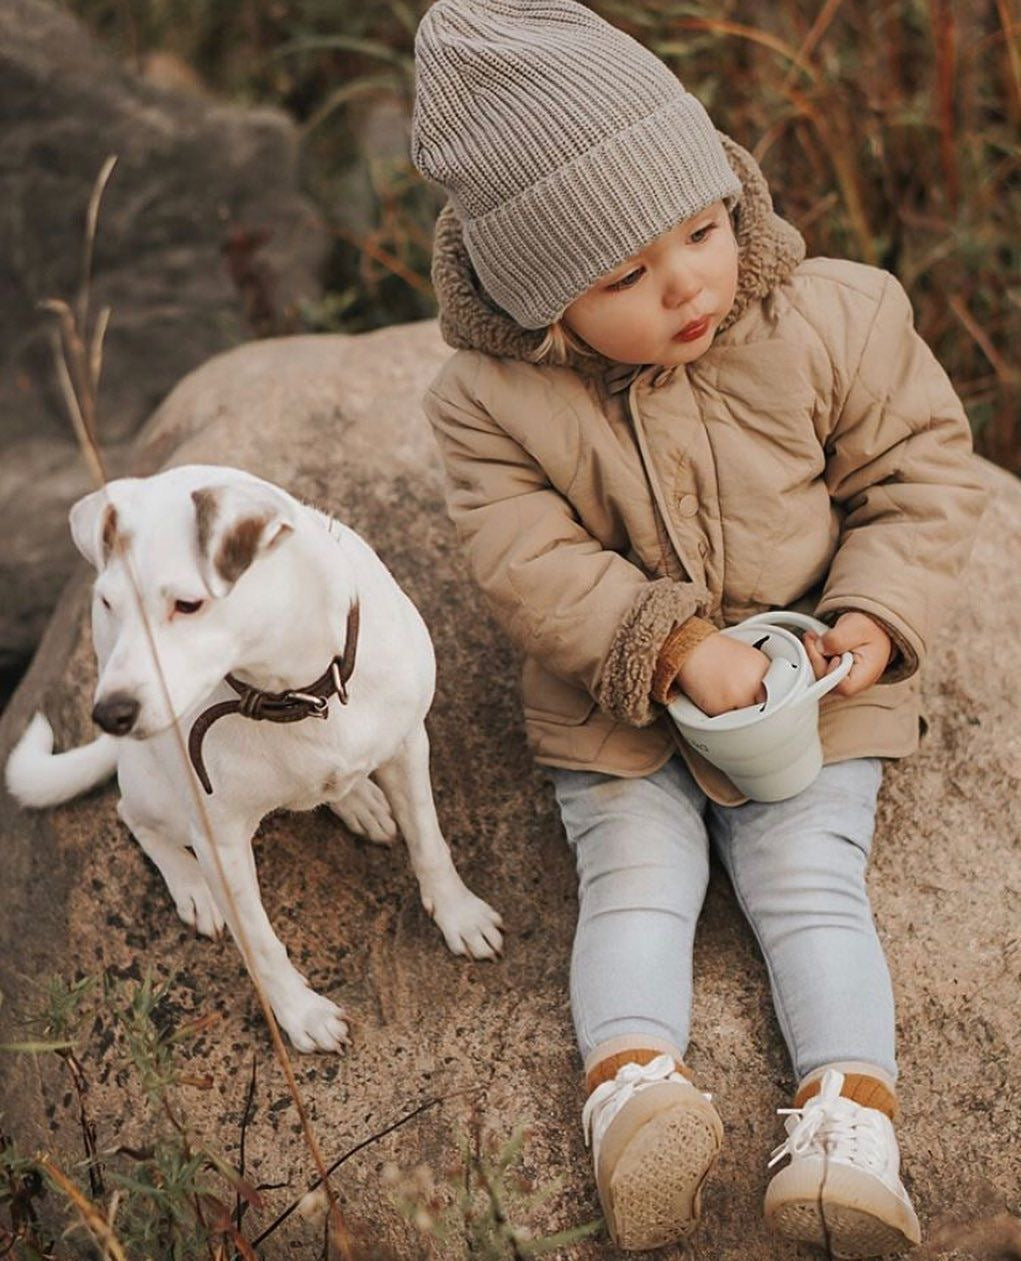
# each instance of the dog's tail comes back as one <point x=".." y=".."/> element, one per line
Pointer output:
<point x="36" y="776"/>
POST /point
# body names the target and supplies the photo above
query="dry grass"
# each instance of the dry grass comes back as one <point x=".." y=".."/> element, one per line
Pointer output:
<point x="889" y="133"/>
<point x="889" y="130"/>
<point x="173" y="1197"/>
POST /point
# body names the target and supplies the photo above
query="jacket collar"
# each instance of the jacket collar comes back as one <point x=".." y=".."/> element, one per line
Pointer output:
<point x="769" y="250"/>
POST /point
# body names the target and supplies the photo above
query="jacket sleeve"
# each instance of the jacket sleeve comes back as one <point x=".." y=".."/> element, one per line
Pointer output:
<point x="586" y="612"/>
<point x="899" y="464"/>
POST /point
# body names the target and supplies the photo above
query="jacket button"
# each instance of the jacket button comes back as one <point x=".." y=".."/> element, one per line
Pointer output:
<point x="687" y="505"/>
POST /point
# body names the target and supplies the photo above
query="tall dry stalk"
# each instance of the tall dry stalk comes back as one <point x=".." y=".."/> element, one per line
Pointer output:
<point x="944" y="34"/>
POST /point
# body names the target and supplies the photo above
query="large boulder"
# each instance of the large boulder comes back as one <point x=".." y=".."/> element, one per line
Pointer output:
<point x="337" y="421"/>
<point x="203" y="238"/>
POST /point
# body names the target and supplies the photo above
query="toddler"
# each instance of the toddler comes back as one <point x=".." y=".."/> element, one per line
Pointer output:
<point x="661" y="419"/>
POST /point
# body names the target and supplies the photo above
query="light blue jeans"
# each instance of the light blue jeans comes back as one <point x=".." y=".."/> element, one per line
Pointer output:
<point x="798" y="869"/>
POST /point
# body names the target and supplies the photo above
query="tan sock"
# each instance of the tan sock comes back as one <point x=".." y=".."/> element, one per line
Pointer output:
<point x="868" y="1091"/>
<point x="607" y="1069"/>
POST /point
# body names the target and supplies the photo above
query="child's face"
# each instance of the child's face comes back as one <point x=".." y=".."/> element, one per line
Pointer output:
<point x="664" y="305"/>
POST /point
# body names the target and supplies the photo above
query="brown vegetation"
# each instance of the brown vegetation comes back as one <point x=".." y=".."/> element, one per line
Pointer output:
<point x="888" y="129"/>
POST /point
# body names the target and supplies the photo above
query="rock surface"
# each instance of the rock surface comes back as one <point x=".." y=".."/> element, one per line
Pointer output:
<point x="336" y="420"/>
<point x="202" y="239"/>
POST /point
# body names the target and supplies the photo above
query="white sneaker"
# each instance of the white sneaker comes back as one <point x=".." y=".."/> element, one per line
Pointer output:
<point x="842" y="1189"/>
<point x="654" y="1138"/>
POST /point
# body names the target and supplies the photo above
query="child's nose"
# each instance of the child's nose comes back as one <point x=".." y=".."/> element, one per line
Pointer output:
<point x="681" y="283"/>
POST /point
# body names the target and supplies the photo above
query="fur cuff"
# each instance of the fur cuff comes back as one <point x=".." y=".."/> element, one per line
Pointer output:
<point x="625" y="685"/>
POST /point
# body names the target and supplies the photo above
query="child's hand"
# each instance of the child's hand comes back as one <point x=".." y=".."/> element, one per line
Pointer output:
<point x="856" y="633"/>
<point x="722" y="674"/>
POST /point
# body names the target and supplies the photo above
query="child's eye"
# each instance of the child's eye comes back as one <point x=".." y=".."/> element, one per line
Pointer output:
<point x="700" y="234"/>
<point x="628" y="281"/>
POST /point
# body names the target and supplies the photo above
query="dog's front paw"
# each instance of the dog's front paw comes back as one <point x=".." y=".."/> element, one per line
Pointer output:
<point x="197" y="907"/>
<point x="469" y="925"/>
<point x="366" y="812"/>
<point x="312" y="1022"/>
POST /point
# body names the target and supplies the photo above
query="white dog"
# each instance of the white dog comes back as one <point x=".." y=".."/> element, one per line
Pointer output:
<point x="296" y="665"/>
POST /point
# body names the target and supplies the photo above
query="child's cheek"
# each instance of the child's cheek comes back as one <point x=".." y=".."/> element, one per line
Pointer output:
<point x="733" y="270"/>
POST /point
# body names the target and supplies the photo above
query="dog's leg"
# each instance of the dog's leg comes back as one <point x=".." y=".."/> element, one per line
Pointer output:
<point x="181" y="873"/>
<point x="365" y="811"/>
<point x="468" y="924"/>
<point x="311" y="1021"/>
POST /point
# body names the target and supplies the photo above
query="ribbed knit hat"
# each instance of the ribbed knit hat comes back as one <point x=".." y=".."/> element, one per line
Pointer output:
<point x="564" y="145"/>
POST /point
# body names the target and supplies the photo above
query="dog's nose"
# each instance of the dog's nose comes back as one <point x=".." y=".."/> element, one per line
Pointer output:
<point x="116" y="714"/>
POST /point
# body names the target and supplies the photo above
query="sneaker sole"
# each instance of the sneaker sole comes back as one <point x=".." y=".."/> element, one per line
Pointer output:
<point x="660" y="1160"/>
<point x="859" y="1217"/>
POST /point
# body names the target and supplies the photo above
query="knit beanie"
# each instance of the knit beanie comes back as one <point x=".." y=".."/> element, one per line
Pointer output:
<point x="564" y="145"/>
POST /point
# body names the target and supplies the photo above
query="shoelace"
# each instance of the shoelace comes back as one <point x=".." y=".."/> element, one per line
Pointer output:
<point x="833" y="1126"/>
<point x="610" y="1096"/>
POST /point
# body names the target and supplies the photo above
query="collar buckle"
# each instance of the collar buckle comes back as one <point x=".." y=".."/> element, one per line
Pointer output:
<point x="338" y="682"/>
<point x="319" y="706"/>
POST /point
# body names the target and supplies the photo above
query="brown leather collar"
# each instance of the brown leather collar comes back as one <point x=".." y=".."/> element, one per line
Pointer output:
<point x="290" y="706"/>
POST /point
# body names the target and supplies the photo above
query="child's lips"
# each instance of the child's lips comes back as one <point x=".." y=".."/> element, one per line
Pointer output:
<point x="690" y="332"/>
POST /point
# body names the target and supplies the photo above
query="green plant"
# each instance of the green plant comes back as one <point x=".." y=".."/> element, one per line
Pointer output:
<point x="482" y="1200"/>
<point x="173" y="1198"/>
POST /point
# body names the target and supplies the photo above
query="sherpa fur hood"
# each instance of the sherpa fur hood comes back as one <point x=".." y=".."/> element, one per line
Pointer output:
<point x="769" y="249"/>
<point x="813" y="456"/>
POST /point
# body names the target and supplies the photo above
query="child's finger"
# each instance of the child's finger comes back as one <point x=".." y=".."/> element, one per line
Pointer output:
<point x="862" y="674"/>
<point x="840" y="639"/>
<point x="817" y="661"/>
<point x="849" y="684"/>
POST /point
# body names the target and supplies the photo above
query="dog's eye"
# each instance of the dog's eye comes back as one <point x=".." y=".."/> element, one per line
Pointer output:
<point x="188" y="606"/>
<point x="105" y="602"/>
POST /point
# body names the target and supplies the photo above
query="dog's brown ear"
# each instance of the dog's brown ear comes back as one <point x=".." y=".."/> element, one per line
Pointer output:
<point x="95" y="527"/>
<point x="235" y="524"/>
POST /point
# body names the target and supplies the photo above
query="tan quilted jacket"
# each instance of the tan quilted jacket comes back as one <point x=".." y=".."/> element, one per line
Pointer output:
<point x="816" y="456"/>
